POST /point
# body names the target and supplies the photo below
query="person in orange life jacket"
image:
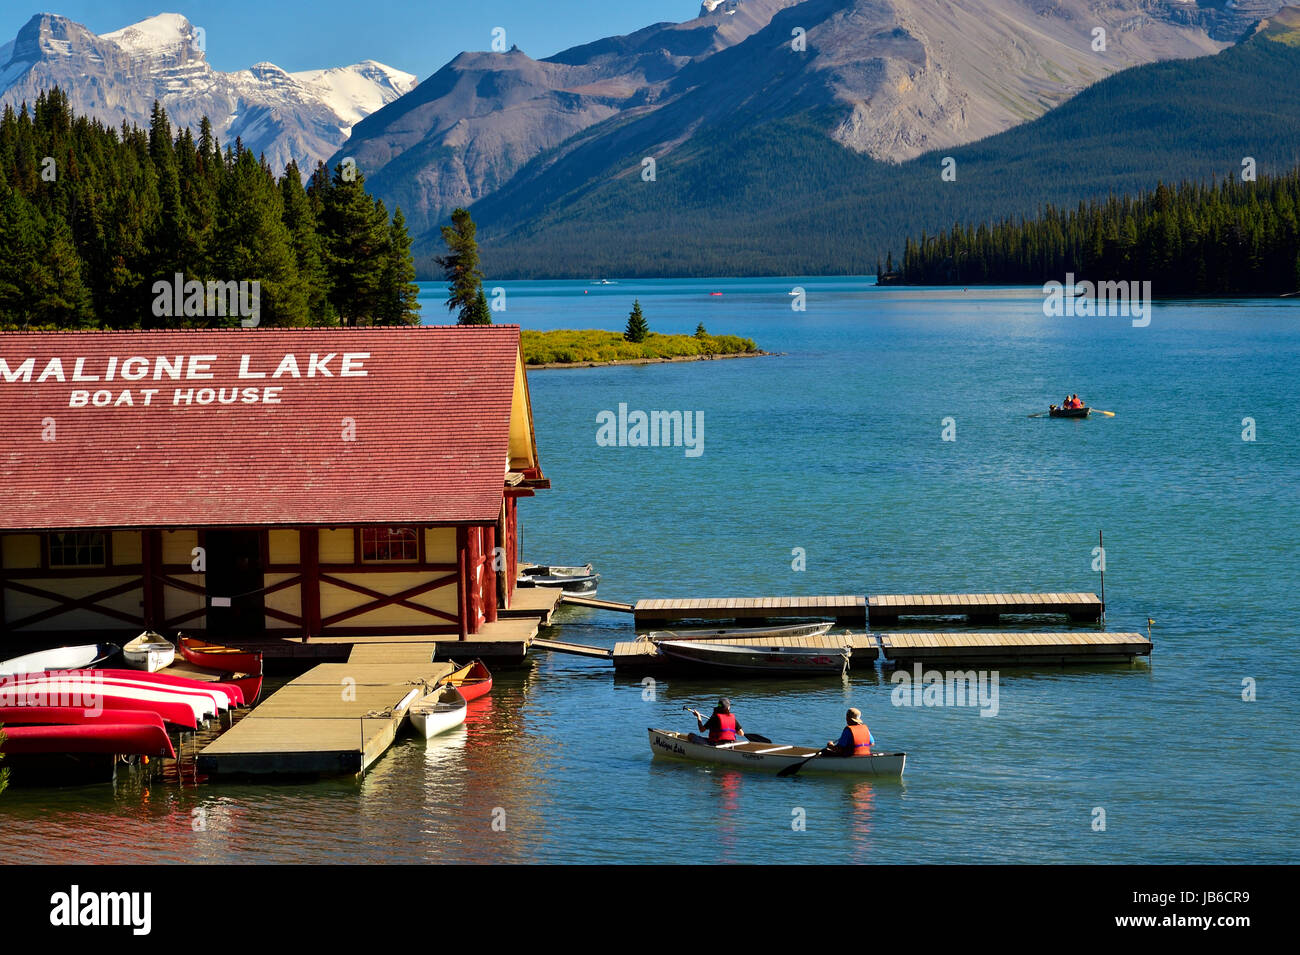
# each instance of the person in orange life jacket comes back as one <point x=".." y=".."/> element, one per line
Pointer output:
<point x="722" y="726"/>
<point x="856" y="740"/>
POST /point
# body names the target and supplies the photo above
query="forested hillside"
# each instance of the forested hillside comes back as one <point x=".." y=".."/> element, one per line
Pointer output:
<point x="93" y="219"/>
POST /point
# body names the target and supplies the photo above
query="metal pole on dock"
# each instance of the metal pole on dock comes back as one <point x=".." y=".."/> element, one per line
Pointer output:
<point x="1101" y="547"/>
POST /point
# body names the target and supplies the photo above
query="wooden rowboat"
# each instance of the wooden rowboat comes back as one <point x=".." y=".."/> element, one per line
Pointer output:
<point x="757" y="660"/>
<point x="213" y="656"/>
<point x="60" y="658"/>
<point x="771" y="758"/>
<point x="1057" y="412"/>
<point x="150" y="652"/>
<point x="765" y="633"/>
<point x="438" y="711"/>
<point x="473" y="680"/>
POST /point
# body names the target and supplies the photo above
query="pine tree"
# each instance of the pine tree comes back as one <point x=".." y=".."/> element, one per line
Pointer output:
<point x="399" y="295"/>
<point x="461" y="268"/>
<point x="637" y="329"/>
<point x="355" y="232"/>
<point x="300" y="220"/>
<point x="700" y="331"/>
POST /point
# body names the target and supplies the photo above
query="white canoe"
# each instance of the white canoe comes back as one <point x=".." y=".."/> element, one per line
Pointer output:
<point x="150" y="652"/>
<point x="438" y="711"/>
<point x="694" y="633"/>
<point x="60" y="658"/>
<point x="773" y="757"/>
<point x="757" y="659"/>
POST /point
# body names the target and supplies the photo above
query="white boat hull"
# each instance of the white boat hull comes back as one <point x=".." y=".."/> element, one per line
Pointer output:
<point x="758" y="660"/>
<point x="84" y="693"/>
<point x="442" y="710"/>
<point x="696" y="633"/>
<point x="149" y="652"/>
<point x="771" y="758"/>
<point x="60" y="658"/>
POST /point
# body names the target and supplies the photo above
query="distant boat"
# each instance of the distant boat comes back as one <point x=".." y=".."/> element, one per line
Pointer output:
<point x="758" y="660"/>
<point x="149" y="652"/>
<point x="603" y="282"/>
<point x="715" y="293"/>
<point x="1057" y="412"/>
<point x="572" y="580"/>
<point x="772" y="758"/>
<point x="60" y="658"/>
<point x="789" y="630"/>
<point x="438" y="711"/>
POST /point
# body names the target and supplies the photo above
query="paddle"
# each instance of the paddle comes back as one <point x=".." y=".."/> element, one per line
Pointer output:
<point x="1108" y="414"/>
<point x="752" y="737"/>
<point x="795" y="767"/>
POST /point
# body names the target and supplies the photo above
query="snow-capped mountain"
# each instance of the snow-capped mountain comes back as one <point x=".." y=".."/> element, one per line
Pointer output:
<point x="116" y="77"/>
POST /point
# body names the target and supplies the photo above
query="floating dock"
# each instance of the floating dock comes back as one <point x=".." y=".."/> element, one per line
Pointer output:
<point x="849" y="611"/>
<point x="539" y="602"/>
<point x="643" y="656"/>
<point x="1015" y="649"/>
<point x="885" y="609"/>
<point x="595" y="603"/>
<point x="337" y="718"/>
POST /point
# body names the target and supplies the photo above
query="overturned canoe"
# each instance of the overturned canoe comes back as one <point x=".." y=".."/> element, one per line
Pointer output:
<point x="123" y="739"/>
<point x="757" y="660"/>
<point x="75" y="716"/>
<point x="771" y="758"/>
<point x="60" y="658"/>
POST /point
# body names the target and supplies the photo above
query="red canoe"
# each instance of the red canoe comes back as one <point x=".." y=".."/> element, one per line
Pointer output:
<point x="230" y="687"/>
<point x="213" y="656"/>
<point x="473" y="680"/>
<point x="75" y="716"/>
<point x="117" y="738"/>
<point x="102" y="696"/>
<point x="208" y="697"/>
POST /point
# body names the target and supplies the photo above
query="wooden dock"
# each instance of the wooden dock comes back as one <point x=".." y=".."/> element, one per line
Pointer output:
<point x="849" y="611"/>
<point x="1013" y="649"/>
<point x="644" y="656"/>
<point x="539" y="602"/>
<point x="595" y="603"/>
<point x="577" y="649"/>
<point x="886" y="609"/>
<point x="337" y="718"/>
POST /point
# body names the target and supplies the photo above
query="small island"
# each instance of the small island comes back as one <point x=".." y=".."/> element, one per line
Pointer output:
<point x="566" y="347"/>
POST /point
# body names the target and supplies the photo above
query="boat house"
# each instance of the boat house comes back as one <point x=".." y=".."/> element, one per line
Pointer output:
<point x="279" y="485"/>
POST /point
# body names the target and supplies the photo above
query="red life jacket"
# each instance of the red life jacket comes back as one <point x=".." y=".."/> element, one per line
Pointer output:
<point x="861" y="739"/>
<point x="726" y="729"/>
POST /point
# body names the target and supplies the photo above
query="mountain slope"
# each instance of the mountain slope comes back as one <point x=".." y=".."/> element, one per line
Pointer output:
<point x="777" y="197"/>
<point x="887" y="78"/>
<point x="117" y="76"/>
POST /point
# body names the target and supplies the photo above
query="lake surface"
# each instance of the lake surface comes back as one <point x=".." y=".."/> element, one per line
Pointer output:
<point x="836" y="447"/>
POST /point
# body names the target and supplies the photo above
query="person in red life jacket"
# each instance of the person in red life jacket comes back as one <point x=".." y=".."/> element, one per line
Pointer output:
<point x="856" y="740"/>
<point x="722" y="726"/>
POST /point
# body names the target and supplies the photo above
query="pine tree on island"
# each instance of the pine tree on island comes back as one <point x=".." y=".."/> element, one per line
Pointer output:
<point x="460" y="265"/>
<point x="637" y="329"/>
<point x="700" y="331"/>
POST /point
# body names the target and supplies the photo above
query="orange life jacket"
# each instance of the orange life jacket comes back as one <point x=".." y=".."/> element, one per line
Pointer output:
<point x="726" y="728"/>
<point x="861" y="739"/>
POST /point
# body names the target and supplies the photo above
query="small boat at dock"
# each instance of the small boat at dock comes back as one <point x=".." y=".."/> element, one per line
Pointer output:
<point x="771" y="758"/>
<point x="150" y="652"/>
<point x="473" y="680"/>
<point x="571" y="579"/>
<point x="213" y="656"/>
<point x="60" y="658"/>
<point x="121" y="739"/>
<point x="757" y="660"/>
<point x="438" y="711"/>
<point x="763" y="633"/>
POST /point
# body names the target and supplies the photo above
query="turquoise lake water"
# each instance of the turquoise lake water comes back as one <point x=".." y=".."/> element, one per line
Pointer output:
<point x="836" y="446"/>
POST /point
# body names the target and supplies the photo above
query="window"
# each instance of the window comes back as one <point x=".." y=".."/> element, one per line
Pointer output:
<point x="77" y="549"/>
<point x="389" y="545"/>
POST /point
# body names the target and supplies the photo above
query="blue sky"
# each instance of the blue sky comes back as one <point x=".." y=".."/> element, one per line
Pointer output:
<point x="418" y="36"/>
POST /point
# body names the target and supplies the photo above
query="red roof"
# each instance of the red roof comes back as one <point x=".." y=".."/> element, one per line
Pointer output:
<point x="430" y="409"/>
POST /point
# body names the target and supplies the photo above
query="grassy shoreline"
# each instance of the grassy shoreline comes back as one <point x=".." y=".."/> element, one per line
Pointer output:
<point x="565" y="347"/>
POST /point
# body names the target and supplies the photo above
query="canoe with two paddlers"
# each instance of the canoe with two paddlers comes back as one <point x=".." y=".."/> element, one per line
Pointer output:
<point x="771" y="758"/>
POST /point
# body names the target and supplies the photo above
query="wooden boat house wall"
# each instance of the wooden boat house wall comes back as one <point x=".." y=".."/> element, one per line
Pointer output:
<point x="261" y="482"/>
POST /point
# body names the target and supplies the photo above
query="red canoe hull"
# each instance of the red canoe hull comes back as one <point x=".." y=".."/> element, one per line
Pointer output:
<point x="477" y="683"/>
<point x="75" y="716"/>
<point x="106" y="697"/>
<point x="229" y="688"/>
<point x="117" y="738"/>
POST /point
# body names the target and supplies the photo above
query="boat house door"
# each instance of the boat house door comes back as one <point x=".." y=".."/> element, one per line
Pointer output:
<point x="235" y="574"/>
